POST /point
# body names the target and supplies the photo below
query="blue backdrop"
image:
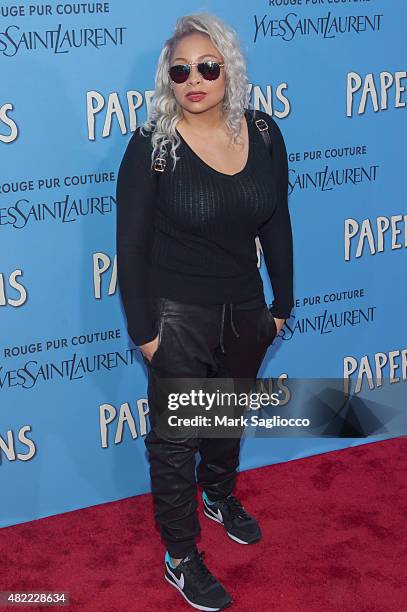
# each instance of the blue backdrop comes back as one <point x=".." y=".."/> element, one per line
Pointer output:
<point x="76" y="80"/>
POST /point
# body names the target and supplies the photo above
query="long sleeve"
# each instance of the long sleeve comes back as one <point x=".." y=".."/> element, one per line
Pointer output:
<point x="276" y="234"/>
<point x="135" y="195"/>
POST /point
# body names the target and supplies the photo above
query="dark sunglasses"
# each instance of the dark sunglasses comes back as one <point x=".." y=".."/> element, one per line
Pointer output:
<point x="209" y="70"/>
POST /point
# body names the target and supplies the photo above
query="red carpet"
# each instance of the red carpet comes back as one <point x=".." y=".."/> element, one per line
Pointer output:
<point x="335" y="540"/>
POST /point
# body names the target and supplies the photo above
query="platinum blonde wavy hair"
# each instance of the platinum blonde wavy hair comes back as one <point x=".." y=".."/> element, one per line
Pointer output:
<point x="165" y="111"/>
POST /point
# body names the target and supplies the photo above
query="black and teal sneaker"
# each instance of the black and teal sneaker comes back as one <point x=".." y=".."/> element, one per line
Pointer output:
<point x="239" y="525"/>
<point x="195" y="582"/>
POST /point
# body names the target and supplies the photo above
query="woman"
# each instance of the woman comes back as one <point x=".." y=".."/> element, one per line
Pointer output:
<point x="188" y="275"/>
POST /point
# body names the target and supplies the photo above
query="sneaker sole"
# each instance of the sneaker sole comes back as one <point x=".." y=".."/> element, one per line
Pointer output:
<point x="194" y="605"/>
<point x="233" y="537"/>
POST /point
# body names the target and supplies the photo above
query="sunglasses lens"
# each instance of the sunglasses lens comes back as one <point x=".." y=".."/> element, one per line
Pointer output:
<point x="179" y="73"/>
<point x="209" y="70"/>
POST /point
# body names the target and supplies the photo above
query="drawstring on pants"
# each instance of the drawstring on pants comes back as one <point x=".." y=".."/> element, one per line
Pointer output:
<point x="222" y="326"/>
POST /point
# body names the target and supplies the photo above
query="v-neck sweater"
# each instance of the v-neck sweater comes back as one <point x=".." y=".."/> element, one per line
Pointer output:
<point x="189" y="234"/>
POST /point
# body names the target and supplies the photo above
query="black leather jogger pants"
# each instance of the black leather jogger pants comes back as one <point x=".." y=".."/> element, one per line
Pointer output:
<point x="221" y="340"/>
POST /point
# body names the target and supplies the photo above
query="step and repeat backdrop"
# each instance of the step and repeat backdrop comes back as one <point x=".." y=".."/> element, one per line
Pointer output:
<point x="76" y="80"/>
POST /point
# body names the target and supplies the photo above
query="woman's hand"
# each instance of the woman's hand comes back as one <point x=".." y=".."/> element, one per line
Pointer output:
<point x="149" y="348"/>
<point x="279" y="324"/>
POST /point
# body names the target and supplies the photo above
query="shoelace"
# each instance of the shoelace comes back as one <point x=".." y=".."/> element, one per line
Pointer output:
<point x="235" y="507"/>
<point x="197" y="567"/>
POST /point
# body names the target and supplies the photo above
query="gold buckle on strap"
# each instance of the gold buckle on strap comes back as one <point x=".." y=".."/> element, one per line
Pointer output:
<point x="263" y="123"/>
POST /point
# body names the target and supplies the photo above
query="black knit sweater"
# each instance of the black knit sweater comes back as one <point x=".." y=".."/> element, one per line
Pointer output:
<point x="189" y="235"/>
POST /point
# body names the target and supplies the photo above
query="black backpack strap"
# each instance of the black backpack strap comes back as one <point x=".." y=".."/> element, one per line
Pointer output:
<point x="159" y="164"/>
<point x="263" y="128"/>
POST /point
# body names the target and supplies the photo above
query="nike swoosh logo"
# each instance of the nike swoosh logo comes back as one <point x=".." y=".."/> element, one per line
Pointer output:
<point x="218" y="513"/>
<point x="180" y="581"/>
